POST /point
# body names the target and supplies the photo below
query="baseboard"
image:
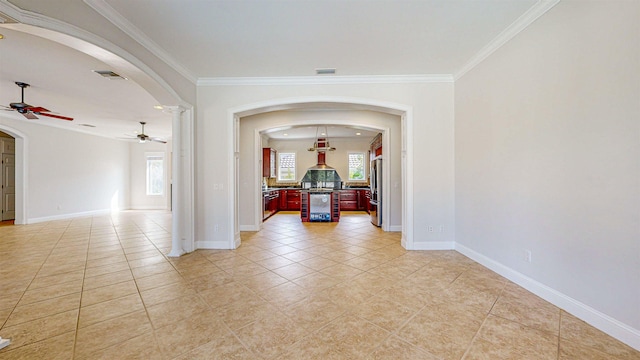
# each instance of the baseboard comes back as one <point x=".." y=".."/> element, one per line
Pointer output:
<point x="214" y="245"/>
<point x="149" y="208"/>
<point x="249" y="227"/>
<point x="603" y="322"/>
<point x="395" y="228"/>
<point x="433" y="245"/>
<point x="68" y="216"/>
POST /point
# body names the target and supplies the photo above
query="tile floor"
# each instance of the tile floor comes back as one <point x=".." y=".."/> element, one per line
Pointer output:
<point x="101" y="288"/>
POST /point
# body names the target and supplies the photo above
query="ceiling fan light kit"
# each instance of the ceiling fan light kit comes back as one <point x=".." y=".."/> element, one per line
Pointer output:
<point x="143" y="138"/>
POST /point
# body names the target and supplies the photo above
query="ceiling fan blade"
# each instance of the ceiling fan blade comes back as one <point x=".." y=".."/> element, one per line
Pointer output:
<point x="56" y="116"/>
<point x="29" y="116"/>
<point x="36" y="109"/>
<point x="158" y="140"/>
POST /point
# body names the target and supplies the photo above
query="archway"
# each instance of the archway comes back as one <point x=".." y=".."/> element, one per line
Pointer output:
<point x="322" y="102"/>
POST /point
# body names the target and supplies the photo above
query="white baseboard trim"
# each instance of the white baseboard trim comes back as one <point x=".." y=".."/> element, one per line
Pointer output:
<point x="395" y="228"/>
<point x="214" y="245"/>
<point x="68" y="216"/>
<point x="603" y="322"/>
<point x="149" y="208"/>
<point x="249" y="227"/>
<point x="433" y="245"/>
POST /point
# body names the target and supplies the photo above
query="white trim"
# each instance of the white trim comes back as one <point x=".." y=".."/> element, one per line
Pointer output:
<point x="521" y="23"/>
<point x="601" y="321"/>
<point x="433" y="245"/>
<point x="219" y="245"/>
<point x="92" y="45"/>
<point x="249" y="228"/>
<point x="149" y="207"/>
<point x="109" y="13"/>
<point x="404" y="111"/>
<point x="324" y="80"/>
<point x="395" y="228"/>
<point x="70" y="216"/>
<point x="21" y="172"/>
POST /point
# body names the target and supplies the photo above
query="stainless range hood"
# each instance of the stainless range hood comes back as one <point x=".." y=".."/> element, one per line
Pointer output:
<point x="321" y="176"/>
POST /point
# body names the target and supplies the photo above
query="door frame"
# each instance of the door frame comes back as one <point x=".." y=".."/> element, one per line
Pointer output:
<point x="21" y="173"/>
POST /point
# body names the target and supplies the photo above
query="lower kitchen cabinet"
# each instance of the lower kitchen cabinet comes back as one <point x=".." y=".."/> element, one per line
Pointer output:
<point x="290" y="199"/>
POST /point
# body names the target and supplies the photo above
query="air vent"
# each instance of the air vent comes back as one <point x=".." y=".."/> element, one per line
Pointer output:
<point x="325" y="71"/>
<point x="109" y="74"/>
<point x="6" y="19"/>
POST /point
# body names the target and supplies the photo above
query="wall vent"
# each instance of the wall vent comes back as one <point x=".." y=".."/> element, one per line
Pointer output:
<point x="109" y="74"/>
<point x="325" y="71"/>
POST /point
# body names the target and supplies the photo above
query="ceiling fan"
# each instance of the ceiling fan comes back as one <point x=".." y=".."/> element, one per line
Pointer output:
<point x="142" y="137"/>
<point x="29" y="111"/>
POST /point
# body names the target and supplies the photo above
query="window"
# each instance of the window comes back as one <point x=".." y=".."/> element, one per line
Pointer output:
<point x="356" y="166"/>
<point x="155" y="174"/>
<point x="286" y="166"/>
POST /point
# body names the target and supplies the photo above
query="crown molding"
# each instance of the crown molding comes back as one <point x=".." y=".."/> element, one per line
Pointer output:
<point x="135" y="33"/>
<point x="326" y="80"/>
<point x="526" y="19"/>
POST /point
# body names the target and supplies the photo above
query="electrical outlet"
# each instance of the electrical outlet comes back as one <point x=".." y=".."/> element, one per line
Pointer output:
<point x="216" y="228"/>
<point x="430" y="228"/>
<point x="527" y="255"/>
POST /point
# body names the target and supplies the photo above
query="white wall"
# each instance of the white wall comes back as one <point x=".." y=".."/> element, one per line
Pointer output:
<point x="68" y="173"/>
<point x="431" y="140"/>
<point x="138" y="157"/>
<point x="548" y="158"/>
<point x="249" y="191"/>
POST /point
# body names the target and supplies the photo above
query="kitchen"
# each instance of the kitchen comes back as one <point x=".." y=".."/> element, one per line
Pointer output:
<point x="267" y="131"/>
<point x="321" y="194"/>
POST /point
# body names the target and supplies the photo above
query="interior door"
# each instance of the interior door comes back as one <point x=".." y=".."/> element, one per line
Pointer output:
<point x="8" y="187"/>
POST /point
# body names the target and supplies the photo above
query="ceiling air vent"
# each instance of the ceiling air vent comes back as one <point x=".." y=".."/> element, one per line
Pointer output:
<point x="109" y="74"/>
<point x="325" y="71"/>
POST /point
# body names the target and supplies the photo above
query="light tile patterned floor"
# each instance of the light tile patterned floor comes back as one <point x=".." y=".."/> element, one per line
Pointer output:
<point x="101" y="288"/>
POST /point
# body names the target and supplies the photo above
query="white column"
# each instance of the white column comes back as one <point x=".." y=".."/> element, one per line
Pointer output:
<point x="176" y="183"/>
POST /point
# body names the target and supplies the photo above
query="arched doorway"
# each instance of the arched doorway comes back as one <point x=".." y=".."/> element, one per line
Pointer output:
<point x="403" y="112"/>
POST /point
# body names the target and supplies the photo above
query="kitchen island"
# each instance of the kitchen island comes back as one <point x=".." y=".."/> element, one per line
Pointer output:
<point x="296" y="199"/>
<point x="320" y="205"/>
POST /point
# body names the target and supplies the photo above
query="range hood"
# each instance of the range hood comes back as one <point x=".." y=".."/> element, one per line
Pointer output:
<point x="321" y="176"/>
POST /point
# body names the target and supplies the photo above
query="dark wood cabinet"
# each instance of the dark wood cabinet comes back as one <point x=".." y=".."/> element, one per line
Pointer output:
<point x="376" y="146"/>
<point x="290" y="199"/>
<point x="363" y="200"/>
<point x="348" y="200"/>
<point x="269" y="162"/>
<point x="304" y="206"/>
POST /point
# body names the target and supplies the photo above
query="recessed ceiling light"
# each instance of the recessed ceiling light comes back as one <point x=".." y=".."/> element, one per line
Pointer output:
<point x="285" y="134"/>
<point x="323" y="134"/>
<point x="358" y="134"/>
<point x="158" y="107"/>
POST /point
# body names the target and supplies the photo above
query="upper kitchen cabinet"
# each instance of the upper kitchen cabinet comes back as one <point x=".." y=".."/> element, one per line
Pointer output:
<point x="376" y="146"/>
<point x="268" y="162"/>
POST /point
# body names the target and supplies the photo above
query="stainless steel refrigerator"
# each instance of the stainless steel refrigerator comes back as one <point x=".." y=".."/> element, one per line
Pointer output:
<point x="375" y="181"/>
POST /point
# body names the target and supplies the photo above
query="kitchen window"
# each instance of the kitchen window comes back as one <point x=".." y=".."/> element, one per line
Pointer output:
<point x="286" y="167"/>
<point x="155" y="173"/>
<point x="356" y="167"/>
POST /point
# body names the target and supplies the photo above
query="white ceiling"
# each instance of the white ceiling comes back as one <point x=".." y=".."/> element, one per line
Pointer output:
<point x="249" y="38"/>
